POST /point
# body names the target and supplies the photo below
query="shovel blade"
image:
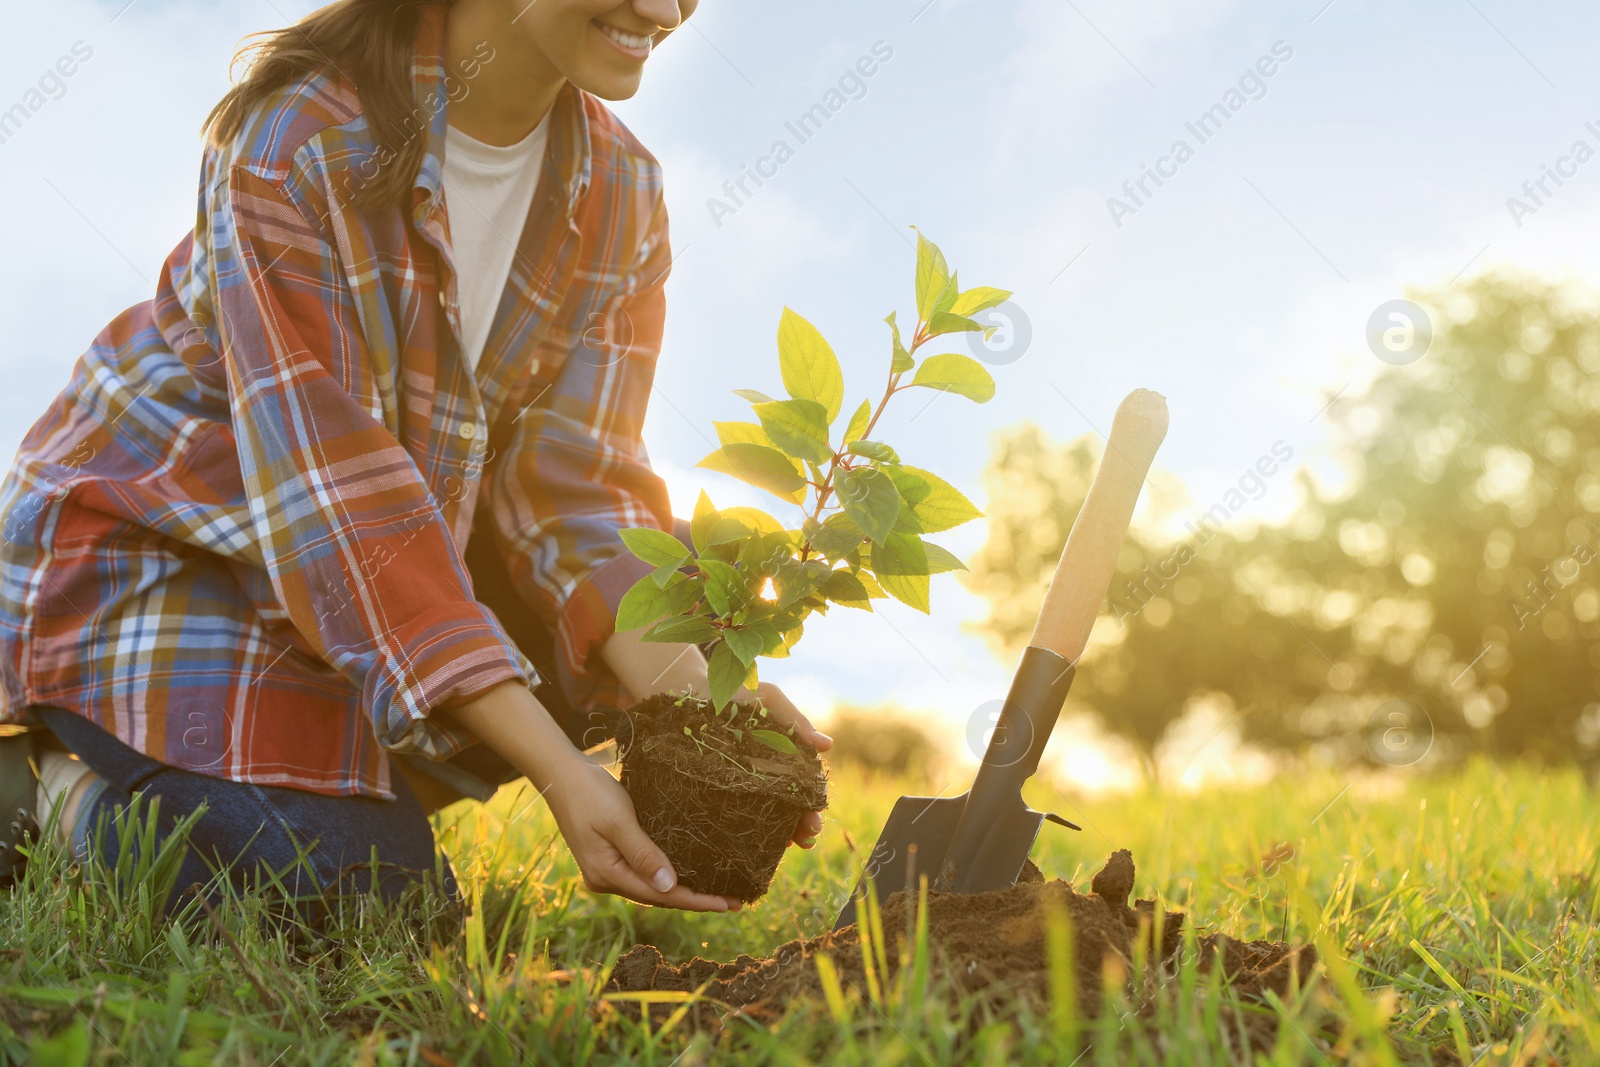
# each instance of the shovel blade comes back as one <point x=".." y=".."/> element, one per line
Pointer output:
<point x="916" y="842"/>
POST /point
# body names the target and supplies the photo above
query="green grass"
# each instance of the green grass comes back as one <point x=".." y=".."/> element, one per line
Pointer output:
<point x="1457" y="915"/>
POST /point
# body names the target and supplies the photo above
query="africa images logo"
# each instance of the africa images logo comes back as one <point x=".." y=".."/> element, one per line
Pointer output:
<point x="1252" y="85"/>
<point x="51" y="85"/>
<point x="851" y="85"/>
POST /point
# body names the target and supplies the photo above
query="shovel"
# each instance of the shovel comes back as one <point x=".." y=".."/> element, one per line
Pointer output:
<point x="980" y="840"/>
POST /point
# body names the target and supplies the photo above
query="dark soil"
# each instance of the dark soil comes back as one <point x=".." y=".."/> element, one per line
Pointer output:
<point x="721" y="804"/>
<point x="990" y="945"/>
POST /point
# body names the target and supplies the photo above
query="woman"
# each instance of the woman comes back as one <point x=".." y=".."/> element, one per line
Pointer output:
<point x="404" y="355"/>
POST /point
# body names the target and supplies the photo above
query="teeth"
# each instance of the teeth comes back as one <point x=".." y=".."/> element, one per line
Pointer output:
<point x="626" y="40"/>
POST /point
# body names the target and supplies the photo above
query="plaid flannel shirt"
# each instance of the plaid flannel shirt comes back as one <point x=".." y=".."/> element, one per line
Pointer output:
<point x="235" y="540"/>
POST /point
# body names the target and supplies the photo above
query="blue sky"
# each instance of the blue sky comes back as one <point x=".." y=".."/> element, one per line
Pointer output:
<point x="1379" y="155"/>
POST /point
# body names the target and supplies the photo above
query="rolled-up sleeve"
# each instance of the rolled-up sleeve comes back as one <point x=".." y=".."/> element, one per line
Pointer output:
<point x="354" y="543"/>
<point x="576" y="472"/>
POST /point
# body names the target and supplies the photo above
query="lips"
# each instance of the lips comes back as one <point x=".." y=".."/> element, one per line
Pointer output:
<point x="633" y="44"/>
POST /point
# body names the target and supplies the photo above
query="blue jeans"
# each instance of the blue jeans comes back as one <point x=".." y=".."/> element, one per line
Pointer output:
<point x="251" y="830"/>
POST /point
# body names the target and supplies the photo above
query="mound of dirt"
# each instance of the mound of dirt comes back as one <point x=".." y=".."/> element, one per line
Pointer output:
<point x="989" y="945"/>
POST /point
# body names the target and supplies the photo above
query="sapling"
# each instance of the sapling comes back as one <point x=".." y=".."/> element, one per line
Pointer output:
<point x="752" y="581"/>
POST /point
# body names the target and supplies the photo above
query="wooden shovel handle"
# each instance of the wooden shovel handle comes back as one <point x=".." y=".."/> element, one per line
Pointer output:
<point x="1083" y="576"/>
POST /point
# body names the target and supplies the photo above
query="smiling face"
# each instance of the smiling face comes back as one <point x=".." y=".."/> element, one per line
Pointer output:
<point x="599" y="45"/>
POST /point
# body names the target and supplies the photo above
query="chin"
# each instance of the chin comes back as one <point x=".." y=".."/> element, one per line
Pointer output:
<point x="606" y="85"/>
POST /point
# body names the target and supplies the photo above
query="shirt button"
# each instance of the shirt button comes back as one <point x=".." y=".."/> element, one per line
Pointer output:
<point x="441" y="298"/>
<point x="533" y="368"/>
<point x="468" y="430"/>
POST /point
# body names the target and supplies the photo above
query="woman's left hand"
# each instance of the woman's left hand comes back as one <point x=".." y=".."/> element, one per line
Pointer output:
<point x="781" y="708"/>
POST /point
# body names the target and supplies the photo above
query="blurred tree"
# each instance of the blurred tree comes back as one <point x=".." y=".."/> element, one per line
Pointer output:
<point x="886" y="741"/>
<point x="1458" y="571"/>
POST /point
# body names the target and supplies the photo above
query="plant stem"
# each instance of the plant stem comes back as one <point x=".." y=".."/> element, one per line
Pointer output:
<point x="918" y="339"/>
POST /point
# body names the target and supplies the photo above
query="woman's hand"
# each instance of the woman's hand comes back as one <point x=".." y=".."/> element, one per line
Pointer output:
<point x="597" y="821"/>
<point x="592" y="809"/>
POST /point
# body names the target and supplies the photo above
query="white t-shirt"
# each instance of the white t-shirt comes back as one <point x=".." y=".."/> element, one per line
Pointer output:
<point x="488" y="190"/>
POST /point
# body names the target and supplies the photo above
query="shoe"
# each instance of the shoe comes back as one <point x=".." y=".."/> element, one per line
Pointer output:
<point x="18" y="820"/>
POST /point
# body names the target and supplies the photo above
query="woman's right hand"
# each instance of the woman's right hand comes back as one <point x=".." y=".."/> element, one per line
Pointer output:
<point x="597" y="820"/>
<point x="592" y="809"/>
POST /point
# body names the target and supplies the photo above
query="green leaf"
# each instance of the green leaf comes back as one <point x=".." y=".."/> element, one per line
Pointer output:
<point x="646" y="602"/>
<point x="685" y="594"/>
<point x="742" y="433"/>
<point x="725" y="590"/>
<point x="793" y="582"/>
<point x="745" y="644"/>
<point x="792" y="636"/>
<point x="979" y="298"/>
<point x="663" y="574"/>
<point x="900" y="361"/>
<point x="771" y="633"/>
<point x="907" y="521"/>
<point x="818" y="569"/>
<point x="761" y="553"/>
<point x="870" y="584"/>
<point x="900" y="554"/>
<point x="726" y="674"/>
<point x="947" y="297"/>
<point x="757" y="465"/>
<point x="704" y="516"/>
<point x="933" y="274"/>
<point x="837" y="537"/>
<point x="775" y="741"/>
<point x="871" y="499"/>
<point x="914" y="484"/>
<point x="873" y="450"/>
<point x="656" y="547"/>
<point x="776" y="550"/>
<point x="842" y="587"/>
<point x="755" y="519"/>
<point x="901" y="567"/>
<point x="797" y="427"/>
<point x="937" y="504"/>
<point x="954" y="373"/>
<point x="941" y="559"/>
<point x="755" y="396"/>
<point x="944" y="322"/>
<point x="750" y="433"/>
<point x="858" y="422"/>
<point x="681" y="629"/>
<point x="810" y="369"/>
<point x="726" y="529"/>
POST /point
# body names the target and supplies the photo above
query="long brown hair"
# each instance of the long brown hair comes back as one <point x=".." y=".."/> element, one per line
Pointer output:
<point x="369" y="43"/>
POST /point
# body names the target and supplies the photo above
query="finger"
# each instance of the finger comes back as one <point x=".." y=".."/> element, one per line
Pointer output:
<point x="807" y="829"/>
<point x="780" y="707"/>
<point x="688" y="900"/>
<point x="685" y="899"/>
<point x="630" y="885"/>
<point x="648" y="877"/>
<point x="680" y="897"/>
<point x="643" y="856"/>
